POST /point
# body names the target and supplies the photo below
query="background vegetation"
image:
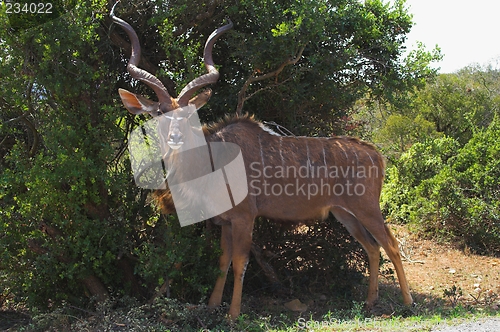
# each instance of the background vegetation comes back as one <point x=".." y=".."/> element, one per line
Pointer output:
<point x="446" y="178"/>
<point x="74" y="228"/>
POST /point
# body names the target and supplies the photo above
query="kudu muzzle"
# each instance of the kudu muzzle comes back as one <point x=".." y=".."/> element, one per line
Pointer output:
<point x="175" y="135"/>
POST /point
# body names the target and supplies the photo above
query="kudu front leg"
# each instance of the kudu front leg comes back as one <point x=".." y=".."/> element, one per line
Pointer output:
<point x="242" y="242"/>
<point x="224" y="262"/>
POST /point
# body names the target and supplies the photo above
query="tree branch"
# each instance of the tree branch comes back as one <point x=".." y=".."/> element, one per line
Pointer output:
<point x="242" y="96"/>
<point x="267" y="268"/>
<point x="24" y="119"/>
<point x="201" y="20"/>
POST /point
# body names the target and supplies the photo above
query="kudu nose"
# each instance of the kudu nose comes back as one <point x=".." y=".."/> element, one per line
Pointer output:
<point x="175" y="137"/>
<point x="175" y="140"/>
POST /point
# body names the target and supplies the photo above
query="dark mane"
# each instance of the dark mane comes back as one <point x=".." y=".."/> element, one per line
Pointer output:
<point x="227" y="120"/>
<point x="214" y="127"/>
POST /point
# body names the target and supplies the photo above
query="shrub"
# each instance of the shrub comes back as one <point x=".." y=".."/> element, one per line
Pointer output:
<point x="449" y="191"/>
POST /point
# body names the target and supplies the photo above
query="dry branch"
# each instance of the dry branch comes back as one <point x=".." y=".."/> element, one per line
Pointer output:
<point x="242" y="96"/>
<point x="267" y="268"/>
<point x="402" y="250"/>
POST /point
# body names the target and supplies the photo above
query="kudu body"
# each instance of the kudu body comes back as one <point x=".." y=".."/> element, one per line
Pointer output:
<point x="289" y="178"/>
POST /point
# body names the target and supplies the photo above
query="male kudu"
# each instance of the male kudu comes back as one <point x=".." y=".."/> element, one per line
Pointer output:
<point x="289" y="178"/>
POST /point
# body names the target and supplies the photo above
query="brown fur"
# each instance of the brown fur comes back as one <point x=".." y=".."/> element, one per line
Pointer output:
<point x="163" y="196"/>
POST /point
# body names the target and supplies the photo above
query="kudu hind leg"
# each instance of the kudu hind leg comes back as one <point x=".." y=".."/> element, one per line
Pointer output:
<point x="378" y="229"/>
<point x="224" y="262"/>
<point x="372" y="248"/>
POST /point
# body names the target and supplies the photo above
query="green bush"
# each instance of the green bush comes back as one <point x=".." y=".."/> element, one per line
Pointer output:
<point x="73" y="225"/>
<point x="450" y="191"/>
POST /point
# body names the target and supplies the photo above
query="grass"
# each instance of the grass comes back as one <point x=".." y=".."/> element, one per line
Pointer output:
<point x="170" y="315"/>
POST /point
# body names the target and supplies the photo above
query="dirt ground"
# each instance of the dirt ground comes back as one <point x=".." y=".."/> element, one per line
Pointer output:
<point x="443" y="271"/>
<point x="440" y="276"/>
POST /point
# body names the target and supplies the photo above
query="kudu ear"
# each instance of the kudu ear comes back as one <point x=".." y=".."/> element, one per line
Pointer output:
<point x="201" y="99"/>
<point x="137" y="104"/>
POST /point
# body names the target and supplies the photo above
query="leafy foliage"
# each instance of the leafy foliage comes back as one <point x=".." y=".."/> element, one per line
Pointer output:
<point x="461" y="102"/>
<point x="450" y="191"/>
<point x="454" y="105"/>
<point x="401" y="131"/>
<point x="73" y="225"/>
<point x="350" y="48"/>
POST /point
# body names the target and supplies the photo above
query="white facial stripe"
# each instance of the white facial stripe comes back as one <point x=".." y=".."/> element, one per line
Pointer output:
<point x="190" y="109"/>
<point x="172" y="118"/>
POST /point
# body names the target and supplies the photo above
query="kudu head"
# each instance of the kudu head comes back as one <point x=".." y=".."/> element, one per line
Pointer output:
<point x="174" y="113"/>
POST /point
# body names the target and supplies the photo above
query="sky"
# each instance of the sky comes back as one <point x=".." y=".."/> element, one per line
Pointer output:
<point x="466" y="31"/>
